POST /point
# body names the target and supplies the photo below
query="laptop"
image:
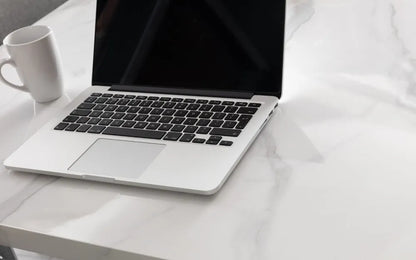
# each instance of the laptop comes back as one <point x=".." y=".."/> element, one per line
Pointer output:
<point x="180" y="90"/>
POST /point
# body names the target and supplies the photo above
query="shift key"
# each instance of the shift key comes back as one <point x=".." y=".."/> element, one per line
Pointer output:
<point x="225" y="132"/>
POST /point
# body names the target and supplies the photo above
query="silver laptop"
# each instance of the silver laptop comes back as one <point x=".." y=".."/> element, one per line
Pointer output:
<point x="180" y="89"/>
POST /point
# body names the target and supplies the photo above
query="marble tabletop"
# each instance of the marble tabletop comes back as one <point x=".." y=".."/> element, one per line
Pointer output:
<point x="333" y="176"/>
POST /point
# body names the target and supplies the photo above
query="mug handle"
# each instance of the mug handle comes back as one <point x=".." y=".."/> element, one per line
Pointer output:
<point x="5" y="81"/>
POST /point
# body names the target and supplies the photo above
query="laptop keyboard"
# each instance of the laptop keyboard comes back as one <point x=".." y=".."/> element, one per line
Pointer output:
<point x="201" y="121"/>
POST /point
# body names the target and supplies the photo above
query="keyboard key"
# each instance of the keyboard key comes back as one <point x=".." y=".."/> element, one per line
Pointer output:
<point x="181" y="113"/>
<point x="129" y="116"/>
<point x="86" y="106"/>
<point x="254" y="105"/>
<point x="101" y="100"/>
<point x="94" y="121"/>
<point x="96" y="129"/>
<point x="187" y="138"/>
<point x="141" y="125"/>
<point x="83" y="120"/>
<point x="230" y="109"/>
<point x="110" y="108"/>
<point x="178" y="128"/>
<point x="202" y="101"/>
<point x="61" y="126"/>
<point x="134" y="103"/>
<point x="145" y="110"/>
<point x="203" y="122"/>
<point x="131" y="132"/>
<point x="216" y="123"/>
<point x="96" y="94"/>
<point x="181" y="106"/>
<point x="189" y="100"/>
<point x="241" y="104"/>
<point x="146" y="103"/>
<point x="107" y="95"/>
<point x="117" y="122"/>
<point x="206" y="115"/>
<point x="177" y="99"/>
<point x="198" y="141"/>
<point x="229" y="124"/>
<point x="203" y="130"/>
<point x="166" y="119"/>
<point x="193" y="114"/>
<point x="118" y="96"/>
<point x="90" y="100"/>
<point x="112" y="101"/>
<point x="190" y="129"/>
<point x="165" y="127"/>
<point x="80" y="112"/>
<point x="141" y="97"/>
<point x="205" y="107"/>
<point x="169" y="112"/>
<point x="247" y="110"/>
<point x="241" y="125"/>
<point x="172" y="136"/>
<point x="133" y="110"/>
<point x="215" y="137"/>
<point x="156" y="111"/>
<point x="118" y="116"/>
<point x="214" y="102"/>
<point x="71" y="119"/>
<point x="153" y="98"/>
<point x="190" y="121"/>
<point x="178" y="120"/>
<point x="107" y="114"/>
<point x="130" y="96"/>
<point x="218" y="116"/>
<point x="169" y="105"/>
<point x="231" y="117"/>
<point x="244" y="118"/>
<point x="153" y="118"/>
<point x="157" y="104"/>
<point x="122" y="108"/>
<point x="227" y="103"/>
<point x="105" y="122"/>
<point x="209" y="141"/>
<point x="129" y="124"/>
<point x="218" y="108"/>
<point x="165" y="99"/>
<point x="141" y="117"/>
<point x="193" y="106"/>
<point x="153" y="126"/>
<point x="100" y="107"/>
<point x="226" y="143"/>
<point x="225" y="132"/>
<point x="83" y="128"/>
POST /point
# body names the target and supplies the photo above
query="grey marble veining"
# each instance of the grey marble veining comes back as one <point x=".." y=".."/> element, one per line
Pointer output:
<point x="332" y="175"/>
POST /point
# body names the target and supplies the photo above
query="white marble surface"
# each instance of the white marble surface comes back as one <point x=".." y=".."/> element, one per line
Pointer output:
<point x="332" y="177"/>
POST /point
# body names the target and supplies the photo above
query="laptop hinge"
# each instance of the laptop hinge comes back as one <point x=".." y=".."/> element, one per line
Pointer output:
<point x="183" y="91"/>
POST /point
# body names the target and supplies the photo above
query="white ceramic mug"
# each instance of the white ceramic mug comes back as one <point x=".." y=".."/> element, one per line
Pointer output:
<point x="34" y="53"/>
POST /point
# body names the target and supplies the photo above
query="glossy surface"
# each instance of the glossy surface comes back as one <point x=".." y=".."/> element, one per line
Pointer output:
<point x="332" y="177"/>
<point x="226" y="45"/>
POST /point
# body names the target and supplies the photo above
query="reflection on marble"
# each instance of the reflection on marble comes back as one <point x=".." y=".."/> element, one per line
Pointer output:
<point x="332" y="176"/>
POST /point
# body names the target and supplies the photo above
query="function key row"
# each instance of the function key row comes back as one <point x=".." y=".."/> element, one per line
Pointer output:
<point x="185" y="100"/>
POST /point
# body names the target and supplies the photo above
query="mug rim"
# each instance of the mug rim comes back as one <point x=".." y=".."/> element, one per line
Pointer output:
<point x="6" y="40"/>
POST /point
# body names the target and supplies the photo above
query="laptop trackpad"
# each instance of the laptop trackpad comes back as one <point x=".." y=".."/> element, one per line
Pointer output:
<point x="117" y="159"/>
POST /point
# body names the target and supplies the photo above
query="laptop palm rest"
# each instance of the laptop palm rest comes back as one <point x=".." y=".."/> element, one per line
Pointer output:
<point x="117" y="159"/>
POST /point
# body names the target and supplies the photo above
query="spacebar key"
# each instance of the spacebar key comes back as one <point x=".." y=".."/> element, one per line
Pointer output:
<point x="134" y="132"/>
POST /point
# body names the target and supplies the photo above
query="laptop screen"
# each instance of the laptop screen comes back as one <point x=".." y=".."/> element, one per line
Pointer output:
<point x="232" y="45"/>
